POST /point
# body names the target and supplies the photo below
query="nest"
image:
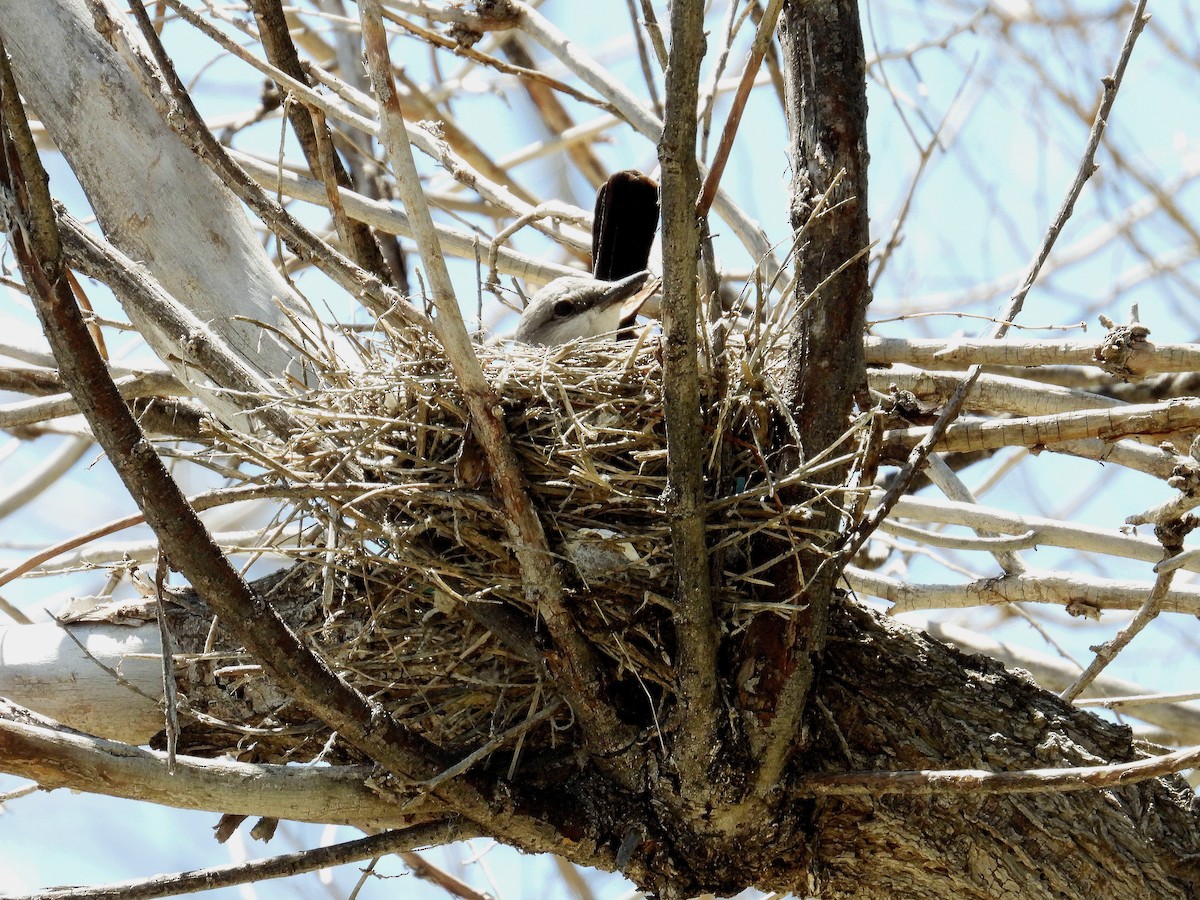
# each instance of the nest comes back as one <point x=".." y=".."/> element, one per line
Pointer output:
<point x="408" y="550"/>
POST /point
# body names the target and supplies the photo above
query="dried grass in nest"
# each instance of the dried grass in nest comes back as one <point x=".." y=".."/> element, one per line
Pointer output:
<point x="411" y="557"/>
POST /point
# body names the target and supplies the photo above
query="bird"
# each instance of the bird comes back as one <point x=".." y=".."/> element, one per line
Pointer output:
<point x="585" y="306"/>
<point x="579" y="307"/>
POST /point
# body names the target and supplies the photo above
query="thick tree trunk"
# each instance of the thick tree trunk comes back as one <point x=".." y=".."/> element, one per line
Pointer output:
<point x="826" y="107"/>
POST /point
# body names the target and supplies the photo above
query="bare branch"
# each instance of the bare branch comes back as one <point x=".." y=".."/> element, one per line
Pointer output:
<point x="1144" y="419"/>
<point x="1087" y="778"/>
<point x="384" y="217"/>
<point x="57" y="758"/>
<point x="1083" y="595"/>
<point x="169" y="213"/>
<point x="1144" y="357"/>
<point x="257" y="870"/>
<point x="693" y="617"/>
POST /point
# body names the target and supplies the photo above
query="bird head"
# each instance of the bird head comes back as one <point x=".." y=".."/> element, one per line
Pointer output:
<point x="579" y="306"/>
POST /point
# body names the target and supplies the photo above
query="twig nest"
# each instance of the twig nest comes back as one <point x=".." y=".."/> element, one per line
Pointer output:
<point x="409" y="545"/>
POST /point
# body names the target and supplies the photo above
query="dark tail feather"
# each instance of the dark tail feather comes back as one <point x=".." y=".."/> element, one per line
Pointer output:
<point x="626" y="220"/>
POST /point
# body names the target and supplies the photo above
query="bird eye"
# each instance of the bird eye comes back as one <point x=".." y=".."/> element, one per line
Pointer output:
<point x="563" y="308"/>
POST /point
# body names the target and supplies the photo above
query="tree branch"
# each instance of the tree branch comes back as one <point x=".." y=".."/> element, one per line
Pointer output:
<point x="1175" y="715"/>
<point x="827" y="116"/>
<point x="1144" y="358"/>
<point x="39" y="749"/>
<point x="1083" y="595"/>
<point x="1145" y="420"/>
<point x="385" y="217"/>
<point x="258" y="870"/>
<point x="693" y="618"/>
<point x="1081" y="778"/>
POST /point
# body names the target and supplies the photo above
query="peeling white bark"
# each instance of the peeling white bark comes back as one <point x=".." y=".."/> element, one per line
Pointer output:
<point x="43" y="669"/>
<point x="155" y="200"/>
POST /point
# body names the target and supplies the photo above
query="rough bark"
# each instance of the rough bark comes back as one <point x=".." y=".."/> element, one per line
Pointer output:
<point x="825" y="75"/>
<point x="826" y="107"/>
<point x="904" y="701"/>
<point x="697" y="715"/>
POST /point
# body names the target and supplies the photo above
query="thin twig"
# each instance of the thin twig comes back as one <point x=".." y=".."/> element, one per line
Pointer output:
<point x="170" y="695"/>
<point x="522" y="71"/>
<point x="648" y="74"/>
<point x="453" y="886"/>
<point x="762" y="40"/>
<point x="1108" y="651"/>
<point x="495" y="743"/>
<point x="974" y="781"/>
<point x="707" y="99"/>
<point x="259" y="870"/>
<point x="650" y="20"/>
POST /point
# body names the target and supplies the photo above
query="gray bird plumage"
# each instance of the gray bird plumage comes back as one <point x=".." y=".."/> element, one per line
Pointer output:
<point x="577" y="306"/>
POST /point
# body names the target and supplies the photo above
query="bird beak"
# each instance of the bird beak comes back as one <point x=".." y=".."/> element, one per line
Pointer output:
<point x="632" y="305"/>
<point x="624" y="289"/>
<point x="579" y="306"/>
